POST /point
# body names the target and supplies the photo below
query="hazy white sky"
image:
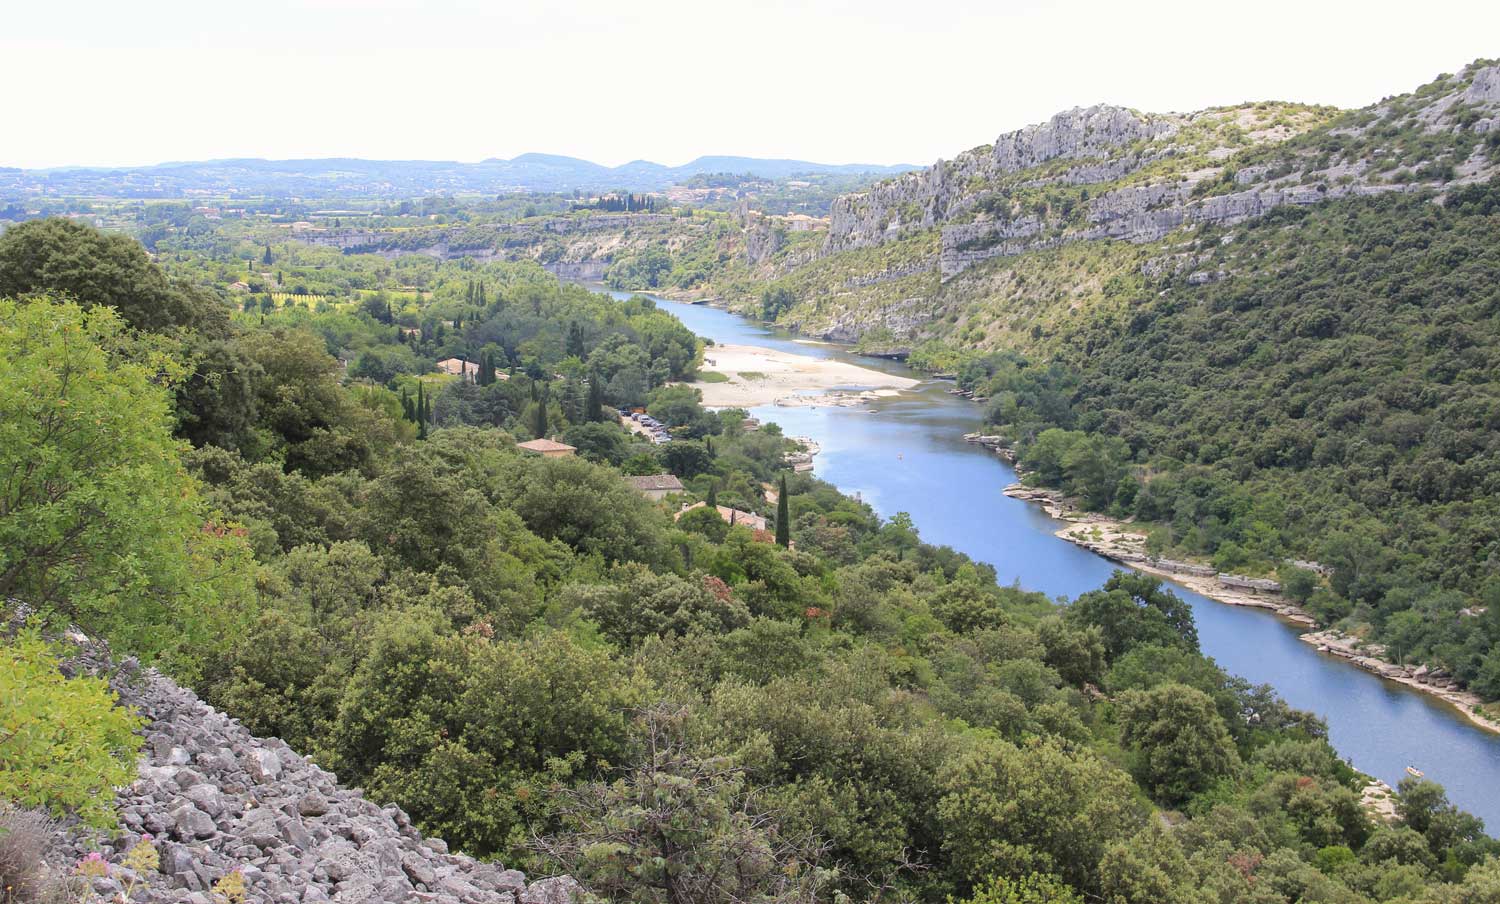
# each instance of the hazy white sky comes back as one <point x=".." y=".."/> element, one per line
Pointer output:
<point x="110" y="82"/>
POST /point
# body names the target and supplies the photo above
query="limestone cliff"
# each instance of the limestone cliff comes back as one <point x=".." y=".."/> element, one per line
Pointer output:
<point x="1104" y="173"/>
<point x="1094" y="136"/>
<point x="1154" y="173"/>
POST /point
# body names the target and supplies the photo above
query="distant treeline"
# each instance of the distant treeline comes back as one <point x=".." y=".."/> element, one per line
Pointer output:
<point x="619" y="203"/>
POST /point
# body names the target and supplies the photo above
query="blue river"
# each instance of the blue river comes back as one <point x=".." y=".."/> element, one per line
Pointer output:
<point x="908" y="455"/>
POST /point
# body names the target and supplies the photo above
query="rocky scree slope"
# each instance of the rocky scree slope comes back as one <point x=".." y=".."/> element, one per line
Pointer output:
<point x="215" y="799"/>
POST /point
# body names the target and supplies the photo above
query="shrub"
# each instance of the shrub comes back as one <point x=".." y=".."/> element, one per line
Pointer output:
<point x="1178" y="739"/>
<point x="99" y="522"/>
<point x="23" y="839"/>
<point x="67" y="745"/>
<point x="1298" y="583"/>
<point x="230" y="889"/>
<point x="1031" y="888"/>
<point x="676" y="827"/>
<point x="705" y="521"/>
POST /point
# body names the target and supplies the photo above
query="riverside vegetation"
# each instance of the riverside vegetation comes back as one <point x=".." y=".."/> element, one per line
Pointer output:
<point x="542" y="666"/>
<point x="1334" y="400"/>
<point x="1266" y="333"/>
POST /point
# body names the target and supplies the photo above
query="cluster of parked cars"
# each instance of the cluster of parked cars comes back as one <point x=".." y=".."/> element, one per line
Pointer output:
<point x="654" y="428"/>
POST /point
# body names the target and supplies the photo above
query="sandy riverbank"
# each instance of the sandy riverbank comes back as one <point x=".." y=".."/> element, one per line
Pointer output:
<point x="764" y="376"/>
<point x="1119" y="542"/>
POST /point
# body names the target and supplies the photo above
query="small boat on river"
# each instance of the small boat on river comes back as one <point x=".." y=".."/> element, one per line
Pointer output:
<point x="1414" y="772"/>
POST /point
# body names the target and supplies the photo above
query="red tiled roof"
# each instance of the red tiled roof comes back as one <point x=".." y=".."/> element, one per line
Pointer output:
<point x="545" y="445"/>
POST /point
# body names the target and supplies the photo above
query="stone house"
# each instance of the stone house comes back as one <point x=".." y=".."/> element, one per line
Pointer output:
<point x="547" y="448"/>
<point x="731" y="515"/>
<point x="655" y="487"/>
<point x="467" y="369"/>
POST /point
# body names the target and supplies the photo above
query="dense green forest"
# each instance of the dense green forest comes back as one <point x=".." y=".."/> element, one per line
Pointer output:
<point x="541" y="665"/>
<point x="1332" y="396"/>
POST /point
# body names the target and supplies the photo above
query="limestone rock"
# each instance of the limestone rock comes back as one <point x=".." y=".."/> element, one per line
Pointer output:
<point x="192" y="823"/>
<point x="221" y="799"/>
<point x="312" y="804"/>
<point x="558" y="890"/>
<point x="264" y="765"/>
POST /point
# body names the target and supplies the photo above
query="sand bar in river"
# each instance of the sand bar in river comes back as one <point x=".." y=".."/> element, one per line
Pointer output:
<point x="764" y="376"/>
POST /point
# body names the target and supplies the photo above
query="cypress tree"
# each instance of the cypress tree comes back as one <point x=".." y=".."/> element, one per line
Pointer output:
<point x="783" y="517"/>
<point x="596" y="398"/>
<point x="540" y="421"/>
<point x="421" y="413"/>
<point x="572" y="402"/>
<point x="406" y="409"/>
<point x="266" y="258"/>
<point x="713" y="494"/>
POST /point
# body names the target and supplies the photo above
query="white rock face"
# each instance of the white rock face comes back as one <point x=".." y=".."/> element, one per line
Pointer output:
<point x="1485" y="88"/>
<point x="1079" y="132"/>
<point x="928" y="197"/>
<point x="1109" y="143"/>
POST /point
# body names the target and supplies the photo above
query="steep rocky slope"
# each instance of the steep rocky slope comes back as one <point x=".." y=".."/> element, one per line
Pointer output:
<point x="215" y="799"/>
<point x="1107" y="175"/>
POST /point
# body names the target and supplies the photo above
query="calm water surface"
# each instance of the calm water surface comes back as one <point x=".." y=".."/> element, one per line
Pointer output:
<point x="908" y="455"/>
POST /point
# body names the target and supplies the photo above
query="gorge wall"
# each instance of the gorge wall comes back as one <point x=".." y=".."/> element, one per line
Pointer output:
<point x="1148" y="172"/>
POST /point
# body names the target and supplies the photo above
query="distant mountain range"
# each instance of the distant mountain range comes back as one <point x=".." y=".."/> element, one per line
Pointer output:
<point x="337" y="176"/>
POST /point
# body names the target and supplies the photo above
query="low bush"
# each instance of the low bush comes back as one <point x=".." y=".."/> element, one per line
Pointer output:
<point x="64" y="743"/>
<point x="23" y="839"/>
